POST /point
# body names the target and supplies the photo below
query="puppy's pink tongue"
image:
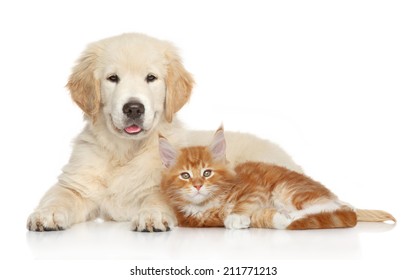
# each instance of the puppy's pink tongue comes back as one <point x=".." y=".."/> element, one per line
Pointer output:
<point x="132" y="129"/>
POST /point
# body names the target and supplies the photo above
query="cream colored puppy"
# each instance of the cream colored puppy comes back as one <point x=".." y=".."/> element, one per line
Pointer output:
<point x="129" y="87"/>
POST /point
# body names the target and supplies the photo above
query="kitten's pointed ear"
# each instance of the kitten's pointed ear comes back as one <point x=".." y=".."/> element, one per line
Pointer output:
<point x="218" y="145"/>
<point x="167" y="152"/>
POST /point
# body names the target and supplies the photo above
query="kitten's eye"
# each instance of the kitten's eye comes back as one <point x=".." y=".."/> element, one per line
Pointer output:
<point x="150" y="78"/>
<point x="113" y="78"/>
<point x="207" y="173"/>
<point x="185" y="175"/>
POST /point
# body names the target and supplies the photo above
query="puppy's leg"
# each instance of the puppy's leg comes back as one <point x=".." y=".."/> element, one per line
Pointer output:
<point x="154" y="215"/>
<point x="60" y="208"/>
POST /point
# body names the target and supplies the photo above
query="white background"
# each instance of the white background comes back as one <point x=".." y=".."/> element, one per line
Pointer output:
<point x="323" y="79"/>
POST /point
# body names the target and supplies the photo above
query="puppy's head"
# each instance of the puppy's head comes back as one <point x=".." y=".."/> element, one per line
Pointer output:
<point x="131" y="83"/>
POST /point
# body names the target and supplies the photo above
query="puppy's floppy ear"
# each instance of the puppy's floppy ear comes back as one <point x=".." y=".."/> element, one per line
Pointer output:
<point x="179" y="84"/>
<point x="83" y="86"/>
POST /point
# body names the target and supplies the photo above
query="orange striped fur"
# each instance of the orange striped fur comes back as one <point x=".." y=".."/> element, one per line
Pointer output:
<point x="205" y="191"/>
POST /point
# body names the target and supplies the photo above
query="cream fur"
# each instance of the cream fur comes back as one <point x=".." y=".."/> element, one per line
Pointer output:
<point x="115" y="175"/>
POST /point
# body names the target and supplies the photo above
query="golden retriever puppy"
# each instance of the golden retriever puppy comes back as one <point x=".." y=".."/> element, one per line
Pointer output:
<point x="129" y="88"/>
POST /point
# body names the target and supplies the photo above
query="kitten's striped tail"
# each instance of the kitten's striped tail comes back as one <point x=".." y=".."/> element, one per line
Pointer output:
<point x="373" y="216"/>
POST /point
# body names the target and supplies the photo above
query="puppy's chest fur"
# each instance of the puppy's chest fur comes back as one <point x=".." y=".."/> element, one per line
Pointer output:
<point x="126" y="184"/>
<point x="141" y="172"/>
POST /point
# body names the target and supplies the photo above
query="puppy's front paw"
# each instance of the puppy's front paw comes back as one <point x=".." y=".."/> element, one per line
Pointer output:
<point x="48" y="220"/>
<point x="152" y="220"/>
<point x="235" y="221"/>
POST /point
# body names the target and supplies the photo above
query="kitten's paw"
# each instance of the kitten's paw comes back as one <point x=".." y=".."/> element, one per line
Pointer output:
<point x="48" y="220"/>
<point x="152" y="220"/>
<point x="235" y="221"/>
<point x="281" y="220"/>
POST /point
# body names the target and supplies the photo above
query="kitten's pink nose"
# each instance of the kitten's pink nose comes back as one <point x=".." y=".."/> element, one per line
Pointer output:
<point x="198" y="187"/>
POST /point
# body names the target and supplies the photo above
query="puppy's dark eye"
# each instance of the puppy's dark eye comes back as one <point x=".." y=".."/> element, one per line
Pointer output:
<point x="150" y="78"/>
<point x="113" y="78"/>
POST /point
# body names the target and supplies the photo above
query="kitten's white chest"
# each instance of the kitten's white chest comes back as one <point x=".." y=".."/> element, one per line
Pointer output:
<point x="198" y="210"/>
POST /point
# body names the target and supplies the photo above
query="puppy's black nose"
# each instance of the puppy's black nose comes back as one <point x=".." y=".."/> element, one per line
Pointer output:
<point x="134" y="110"/>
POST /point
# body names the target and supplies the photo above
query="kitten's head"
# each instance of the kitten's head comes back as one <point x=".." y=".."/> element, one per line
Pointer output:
<point x="195" y="174"/>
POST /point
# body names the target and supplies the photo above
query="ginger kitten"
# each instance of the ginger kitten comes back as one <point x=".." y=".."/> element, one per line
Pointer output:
<point x="205" y="191"/>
